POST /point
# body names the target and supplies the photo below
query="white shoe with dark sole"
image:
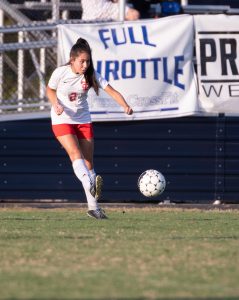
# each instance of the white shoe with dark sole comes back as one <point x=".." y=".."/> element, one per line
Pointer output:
<point x="97" y="214"/>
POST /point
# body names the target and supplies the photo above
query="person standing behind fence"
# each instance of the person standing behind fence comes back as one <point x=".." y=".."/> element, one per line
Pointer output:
<point x="97" y="10"/>
<point x="67" y="91"/>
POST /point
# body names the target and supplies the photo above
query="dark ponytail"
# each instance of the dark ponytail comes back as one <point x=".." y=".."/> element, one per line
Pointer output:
<point x="81" y="46"/>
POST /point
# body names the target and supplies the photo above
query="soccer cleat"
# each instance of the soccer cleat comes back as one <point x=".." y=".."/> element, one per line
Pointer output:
<point x="98" y="186"/>
<point x="97" y="214"/>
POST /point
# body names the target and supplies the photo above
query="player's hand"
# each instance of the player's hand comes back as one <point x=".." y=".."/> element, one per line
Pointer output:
<point x="128" y="110"/>
<point x="58" y="108"/>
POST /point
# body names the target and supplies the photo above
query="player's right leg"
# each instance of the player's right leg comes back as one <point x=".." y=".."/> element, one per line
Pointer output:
<point x="70" y="143"/>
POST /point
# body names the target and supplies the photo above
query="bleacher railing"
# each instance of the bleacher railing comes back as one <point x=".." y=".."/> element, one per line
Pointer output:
<point x="27" y="55"/>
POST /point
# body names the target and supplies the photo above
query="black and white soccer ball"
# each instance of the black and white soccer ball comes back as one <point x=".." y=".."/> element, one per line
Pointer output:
<point x="151" y="183"/>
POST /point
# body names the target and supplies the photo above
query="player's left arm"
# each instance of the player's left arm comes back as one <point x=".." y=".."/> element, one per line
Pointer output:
<point x="119" y="99"/>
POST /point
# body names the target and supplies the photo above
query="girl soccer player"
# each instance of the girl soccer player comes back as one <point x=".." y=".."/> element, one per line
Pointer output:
<point x="67" y="92"/>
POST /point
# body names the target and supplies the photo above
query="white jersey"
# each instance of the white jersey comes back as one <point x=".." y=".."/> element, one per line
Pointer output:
<point x="72" y="92"/>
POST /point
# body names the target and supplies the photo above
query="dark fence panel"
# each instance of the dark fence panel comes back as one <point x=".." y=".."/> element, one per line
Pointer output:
<point x="198" y="155"/>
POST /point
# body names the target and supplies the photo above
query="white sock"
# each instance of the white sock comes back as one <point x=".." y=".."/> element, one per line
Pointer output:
<point x="83" y="175"/>
<point x="92" y="175"/>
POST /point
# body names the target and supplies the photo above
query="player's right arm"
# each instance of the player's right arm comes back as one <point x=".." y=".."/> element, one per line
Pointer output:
<point x="52" y="97"/>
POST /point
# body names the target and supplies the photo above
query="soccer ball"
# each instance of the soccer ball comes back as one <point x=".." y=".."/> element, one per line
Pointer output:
<point x="151" y="183"/>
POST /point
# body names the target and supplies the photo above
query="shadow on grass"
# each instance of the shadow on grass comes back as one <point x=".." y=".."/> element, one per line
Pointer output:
<point x="29" y="237"/>
<point x="204" y="238"/>
<point x="40" y="219"/>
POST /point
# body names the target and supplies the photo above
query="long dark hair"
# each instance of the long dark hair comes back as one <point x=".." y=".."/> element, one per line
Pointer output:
<point x="80" y="46"/>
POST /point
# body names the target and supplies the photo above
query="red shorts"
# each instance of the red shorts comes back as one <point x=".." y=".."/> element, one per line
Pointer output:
<point x="82" y="131"/>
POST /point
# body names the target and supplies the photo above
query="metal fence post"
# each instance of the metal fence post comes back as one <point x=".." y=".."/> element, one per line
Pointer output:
<point x="20" y="74"/>
<point x="121" y="10"/>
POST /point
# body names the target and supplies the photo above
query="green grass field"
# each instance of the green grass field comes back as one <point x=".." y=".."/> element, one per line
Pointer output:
<point x="145" y="253"/>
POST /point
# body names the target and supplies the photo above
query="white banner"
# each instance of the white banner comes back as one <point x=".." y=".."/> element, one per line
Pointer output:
<point x="148" y="61"/>
<point x="217" y="43"/>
